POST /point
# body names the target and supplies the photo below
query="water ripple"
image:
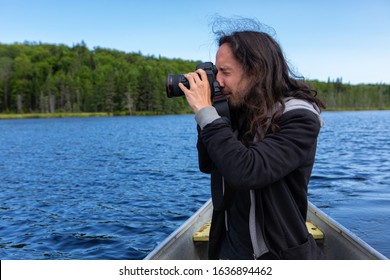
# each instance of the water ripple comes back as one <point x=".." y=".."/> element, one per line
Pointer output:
<point x="114" y="188"/>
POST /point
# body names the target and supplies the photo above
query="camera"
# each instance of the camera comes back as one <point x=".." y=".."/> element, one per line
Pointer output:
<point x="173" y="80"/>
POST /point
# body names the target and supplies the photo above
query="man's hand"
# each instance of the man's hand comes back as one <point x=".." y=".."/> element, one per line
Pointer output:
<point x="199" y="94"/>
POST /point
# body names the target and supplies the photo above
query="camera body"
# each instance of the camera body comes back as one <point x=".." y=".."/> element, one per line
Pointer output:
<point x="173" y="80"/>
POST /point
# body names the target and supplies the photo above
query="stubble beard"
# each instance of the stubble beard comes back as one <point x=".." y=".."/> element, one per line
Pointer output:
<point x="238" y="98"/>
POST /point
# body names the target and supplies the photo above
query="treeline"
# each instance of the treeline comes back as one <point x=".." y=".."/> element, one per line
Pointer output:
<point x="342" y="96"/>
<point x="46" y="78"/>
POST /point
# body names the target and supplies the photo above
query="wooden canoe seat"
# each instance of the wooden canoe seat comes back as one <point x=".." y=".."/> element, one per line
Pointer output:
<point x="315" y="231"/>
<point x="202" y="234"/>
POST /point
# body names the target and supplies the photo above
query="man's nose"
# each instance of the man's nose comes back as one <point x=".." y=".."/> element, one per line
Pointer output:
<point x="219" y="80"/>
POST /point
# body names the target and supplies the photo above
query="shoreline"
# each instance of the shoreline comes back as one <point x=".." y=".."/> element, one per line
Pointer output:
<point x="5" y="116"/>
<point x="8" y="116"/>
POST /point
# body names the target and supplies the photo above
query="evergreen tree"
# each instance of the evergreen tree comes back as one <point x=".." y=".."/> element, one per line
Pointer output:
<point x="45" y="78"/>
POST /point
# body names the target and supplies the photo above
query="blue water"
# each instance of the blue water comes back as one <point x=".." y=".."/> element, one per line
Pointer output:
<point x="113" y="188"/>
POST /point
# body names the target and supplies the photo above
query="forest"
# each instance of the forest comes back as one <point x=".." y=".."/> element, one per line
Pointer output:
<point x="37" y="78"/>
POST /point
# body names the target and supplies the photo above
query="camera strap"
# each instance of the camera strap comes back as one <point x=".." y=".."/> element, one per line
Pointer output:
<point x="220" y="102"/>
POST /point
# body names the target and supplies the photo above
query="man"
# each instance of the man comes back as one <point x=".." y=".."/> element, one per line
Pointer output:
<point x="261" y="160"/>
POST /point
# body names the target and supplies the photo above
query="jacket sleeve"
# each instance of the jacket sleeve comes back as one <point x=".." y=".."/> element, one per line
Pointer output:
<point x="266" y="161"/>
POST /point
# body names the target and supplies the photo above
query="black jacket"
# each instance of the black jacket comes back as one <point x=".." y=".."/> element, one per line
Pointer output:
<point x="277" y="168"/>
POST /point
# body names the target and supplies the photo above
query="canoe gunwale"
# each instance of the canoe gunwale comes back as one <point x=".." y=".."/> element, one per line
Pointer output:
<point x="339" y="242"/>
<point x="195" y="221"/>
<point x="336" y="231"/>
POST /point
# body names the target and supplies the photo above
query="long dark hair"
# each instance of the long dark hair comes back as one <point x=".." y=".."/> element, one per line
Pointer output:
<point x="272" y="80"/>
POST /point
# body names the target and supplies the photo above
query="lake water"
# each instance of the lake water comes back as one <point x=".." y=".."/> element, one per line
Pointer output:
<point x="113" y="188"/>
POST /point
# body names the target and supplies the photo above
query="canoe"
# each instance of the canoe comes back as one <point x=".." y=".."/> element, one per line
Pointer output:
<point x="189" y="241"/>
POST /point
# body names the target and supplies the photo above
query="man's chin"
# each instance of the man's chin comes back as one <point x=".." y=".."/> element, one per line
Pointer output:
<point x="235" y="106"/>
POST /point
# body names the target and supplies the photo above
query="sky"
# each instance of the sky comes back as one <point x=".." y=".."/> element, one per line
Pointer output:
<point x="321" y="40"/>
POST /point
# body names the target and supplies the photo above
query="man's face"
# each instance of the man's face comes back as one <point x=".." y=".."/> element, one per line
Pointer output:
<point x="231" y="77"/>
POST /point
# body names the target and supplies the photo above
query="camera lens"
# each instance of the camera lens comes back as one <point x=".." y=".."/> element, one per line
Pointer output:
<point x="172" y="85"/>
